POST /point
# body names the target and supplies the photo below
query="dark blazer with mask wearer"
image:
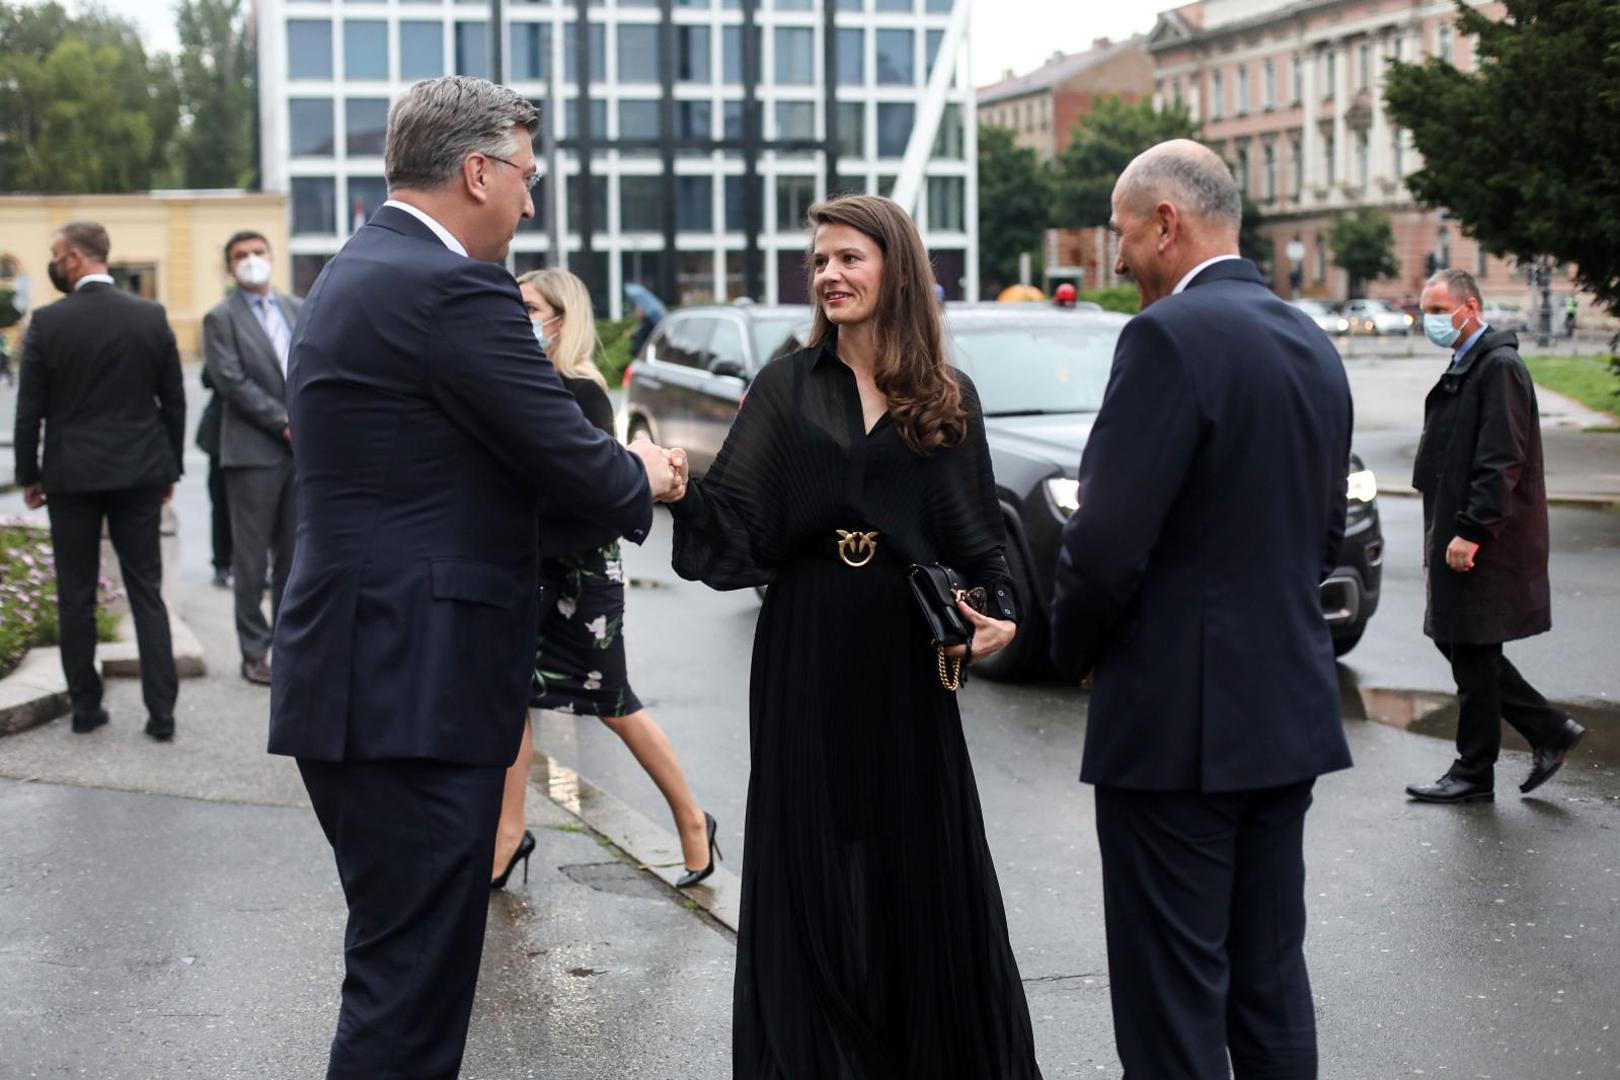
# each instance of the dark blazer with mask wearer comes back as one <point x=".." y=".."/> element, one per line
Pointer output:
<point x="256" y="458"/>
<point x="426" y="424"/>
<point x="101" y="371"/>
<point x="1212" y="505"/>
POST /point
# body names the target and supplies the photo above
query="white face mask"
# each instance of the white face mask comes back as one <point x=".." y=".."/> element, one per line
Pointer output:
<point x="253" y="271"/>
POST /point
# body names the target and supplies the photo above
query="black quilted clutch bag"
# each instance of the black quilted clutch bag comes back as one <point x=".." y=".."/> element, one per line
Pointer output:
<point x="938" y="589"/>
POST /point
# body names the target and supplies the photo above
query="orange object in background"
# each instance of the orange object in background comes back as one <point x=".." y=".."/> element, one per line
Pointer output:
<point x="1020" y="294"/>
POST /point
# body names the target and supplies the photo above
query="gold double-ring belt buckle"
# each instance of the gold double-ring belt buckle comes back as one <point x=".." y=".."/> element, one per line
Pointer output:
<point x="856" y="548"/>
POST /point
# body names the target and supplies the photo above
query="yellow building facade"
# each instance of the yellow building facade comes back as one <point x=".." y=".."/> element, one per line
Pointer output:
<point x="167" y="246"/>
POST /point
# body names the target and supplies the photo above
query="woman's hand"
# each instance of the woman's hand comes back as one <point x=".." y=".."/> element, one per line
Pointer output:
<point x="990" y="636"/>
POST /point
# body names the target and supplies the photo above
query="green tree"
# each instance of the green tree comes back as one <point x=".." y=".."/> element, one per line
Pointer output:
<point x="1363" y="245"/>
<point x="1523" y="149"/>
<point x="1251" y="244"/>
<point x="82" y="107"/>
<point x="1103" y="144"/>
<point x="216" y="73"/>
<point x="1013" y="204"/>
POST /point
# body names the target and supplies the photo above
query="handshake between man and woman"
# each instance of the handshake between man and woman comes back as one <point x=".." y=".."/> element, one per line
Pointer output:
<point x="667" y="471"/>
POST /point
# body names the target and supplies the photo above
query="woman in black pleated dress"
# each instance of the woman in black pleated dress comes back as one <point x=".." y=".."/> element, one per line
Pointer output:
<point x="873" y="942"/>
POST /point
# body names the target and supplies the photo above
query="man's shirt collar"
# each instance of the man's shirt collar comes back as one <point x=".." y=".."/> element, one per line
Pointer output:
<point x="438" y="230"/>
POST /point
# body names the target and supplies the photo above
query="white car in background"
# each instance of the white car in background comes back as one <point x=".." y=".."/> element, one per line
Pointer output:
<point x="1330" y="321"/>
<point x="1376" y="317"/>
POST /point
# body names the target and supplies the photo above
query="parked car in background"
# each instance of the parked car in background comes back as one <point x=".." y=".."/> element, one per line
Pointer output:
<point x="1507" y="316"/>
<point x="1041" y="374"/>
<point x="1328" y="320"/>
<point x="1377" y="317"/>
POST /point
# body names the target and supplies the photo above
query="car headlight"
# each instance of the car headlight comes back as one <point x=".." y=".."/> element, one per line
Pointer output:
<point x="1064" y="493"/>
<point x="1409" y="319"/>
<point x="1362" y="486"/>
<point x="1344" y="325"/>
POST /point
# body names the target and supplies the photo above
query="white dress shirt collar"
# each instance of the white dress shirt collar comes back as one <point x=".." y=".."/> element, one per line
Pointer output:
<point x="1199" y="269"/>
<point x="438" y="230"/>
<point x="92" y="279"/>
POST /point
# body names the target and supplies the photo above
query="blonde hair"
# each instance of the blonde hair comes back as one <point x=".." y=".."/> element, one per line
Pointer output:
<point x="573" y="350"/>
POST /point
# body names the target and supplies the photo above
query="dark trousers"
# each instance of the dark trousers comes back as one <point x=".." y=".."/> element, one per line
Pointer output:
<point x="219" y="502"/>
<point x="264" y="524"/>
<point x="1204" y="899"/>
<point x="134" y="519"/>
<point x="414" y="841"/>
<point x="1490" y="690"/>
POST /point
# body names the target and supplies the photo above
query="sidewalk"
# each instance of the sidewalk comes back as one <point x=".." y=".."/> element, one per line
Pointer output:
<point x="172" y="910"/>
<point x="1583" y="466"/>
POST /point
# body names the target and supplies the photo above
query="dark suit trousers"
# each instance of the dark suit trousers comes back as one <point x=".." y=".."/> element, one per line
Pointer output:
<point x="264" y="523"/>
<point x="1204" y="898"/>
<point x="1490" y="690"/>
<point x="134" y="519"/>
<point x="220" y="507"/>
<point x="414" y="841"/>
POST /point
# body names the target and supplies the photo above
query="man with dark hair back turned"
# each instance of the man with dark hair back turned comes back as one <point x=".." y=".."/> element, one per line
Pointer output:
<point x="1479" y="468"/>
<point x="426" y="426"/>
<point x="101" y="371"/>
<point x="246" y="338"/>
<point x="1212" y="504"/>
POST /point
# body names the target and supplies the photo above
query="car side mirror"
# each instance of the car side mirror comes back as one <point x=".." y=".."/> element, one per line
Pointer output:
<point x="729" y="369"/>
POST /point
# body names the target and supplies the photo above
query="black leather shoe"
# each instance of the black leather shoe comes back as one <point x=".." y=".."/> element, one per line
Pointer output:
<point x="693" y="877"/>
<point x="257" y="671"/>
<point x="1452" y="789"/>
<point x="160" y="728"/>
<point x="1550" y="758"/>
<point x="84" y="723"/>
<point x="222" y="579"/>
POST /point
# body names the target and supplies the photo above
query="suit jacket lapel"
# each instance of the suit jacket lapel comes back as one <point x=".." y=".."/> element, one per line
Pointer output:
<point x="249" y="328"/>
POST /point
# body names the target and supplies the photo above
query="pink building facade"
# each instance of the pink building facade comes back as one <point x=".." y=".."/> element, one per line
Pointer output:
<point x="1290" y="92"/>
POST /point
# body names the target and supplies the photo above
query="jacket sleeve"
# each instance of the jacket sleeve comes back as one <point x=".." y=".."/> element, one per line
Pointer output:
<point x="171" y="394"/>
<point x="987" y="566"/>
<point x="1133" y="470"/>
<point x="489" y="375"/>
<point x="222" y="355"/>
<point x="1507" y="415"/>
<point x="33" y="391"/>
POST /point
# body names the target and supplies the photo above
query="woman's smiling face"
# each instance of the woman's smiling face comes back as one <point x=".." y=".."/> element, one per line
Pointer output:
<point x="848" y="274"/>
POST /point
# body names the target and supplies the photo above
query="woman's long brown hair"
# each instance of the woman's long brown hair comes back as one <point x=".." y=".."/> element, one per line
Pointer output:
<point x="925" y="400"/>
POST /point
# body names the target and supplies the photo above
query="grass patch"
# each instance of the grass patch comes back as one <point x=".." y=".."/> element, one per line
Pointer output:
<point x="568" y="828"/>
<point x="28" y="596"/>
<point x="1590" y="380"/>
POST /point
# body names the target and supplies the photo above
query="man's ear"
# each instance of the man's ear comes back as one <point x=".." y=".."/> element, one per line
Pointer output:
<point x="1169" y="223"/>
<point x="475" y="177"/>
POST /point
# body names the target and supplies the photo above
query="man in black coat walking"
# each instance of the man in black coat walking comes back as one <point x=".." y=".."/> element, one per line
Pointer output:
<point x="100" y="370"/>
<point x="1212" y="505"/>
<point x="1479" y="467"/>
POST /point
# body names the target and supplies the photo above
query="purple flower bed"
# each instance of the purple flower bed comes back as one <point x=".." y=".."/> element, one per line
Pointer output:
<point x="28" y="595"/>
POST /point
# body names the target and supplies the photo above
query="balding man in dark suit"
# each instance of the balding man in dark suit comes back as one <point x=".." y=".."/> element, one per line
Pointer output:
<point x="1212" y="504"/>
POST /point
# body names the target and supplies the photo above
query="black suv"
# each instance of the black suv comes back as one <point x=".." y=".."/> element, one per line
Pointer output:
<point x="1041" y="373"/>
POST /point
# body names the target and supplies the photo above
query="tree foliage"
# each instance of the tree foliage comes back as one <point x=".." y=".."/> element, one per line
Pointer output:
<point x="1013" y="204"/>
<point x="1525" y="150"/>
<point x="1103" y="144"/>
<point x="82" y="106"/>
<point x="215" y="71"/>
<point x="1363" y="245"/>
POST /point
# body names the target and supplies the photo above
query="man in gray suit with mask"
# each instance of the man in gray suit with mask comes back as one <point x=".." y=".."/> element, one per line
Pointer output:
<point x="245" y="341"/>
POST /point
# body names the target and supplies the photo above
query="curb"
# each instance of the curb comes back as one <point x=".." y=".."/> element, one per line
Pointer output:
<point x="654" y="848"/>
<point x="1573" y="502"/>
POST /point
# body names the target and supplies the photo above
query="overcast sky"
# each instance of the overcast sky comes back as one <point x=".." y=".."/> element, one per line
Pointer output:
<point x="1017" y="34"/>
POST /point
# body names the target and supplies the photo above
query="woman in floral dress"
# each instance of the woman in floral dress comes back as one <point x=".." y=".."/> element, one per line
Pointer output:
<point x="580" y="667"/>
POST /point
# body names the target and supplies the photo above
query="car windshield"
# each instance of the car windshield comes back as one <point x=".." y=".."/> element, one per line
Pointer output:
<point x="1034" y="368"/>
<point x="778" y="336"/>
<point x="1312" y="307"/>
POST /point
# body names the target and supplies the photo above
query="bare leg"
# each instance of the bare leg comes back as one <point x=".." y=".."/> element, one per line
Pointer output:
<point x="656" y="754"/>
<point x="509" y="833"/>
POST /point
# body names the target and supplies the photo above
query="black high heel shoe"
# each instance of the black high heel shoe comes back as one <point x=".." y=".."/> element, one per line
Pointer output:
<point x="525" y="848"/>
<point x="692" y="877"/>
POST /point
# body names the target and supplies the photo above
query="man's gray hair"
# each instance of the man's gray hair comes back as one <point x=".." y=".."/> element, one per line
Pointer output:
<point x="1188" y="175"/>
<point x="437" y="123"/>
<point x="1460" y="283"/>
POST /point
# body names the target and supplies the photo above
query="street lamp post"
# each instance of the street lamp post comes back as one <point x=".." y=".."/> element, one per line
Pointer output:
<point x="1543" y="281"/>
<point x="1296" y="276"/>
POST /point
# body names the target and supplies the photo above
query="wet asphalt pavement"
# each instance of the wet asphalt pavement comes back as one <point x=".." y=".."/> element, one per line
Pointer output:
<point x="173" y="912"/>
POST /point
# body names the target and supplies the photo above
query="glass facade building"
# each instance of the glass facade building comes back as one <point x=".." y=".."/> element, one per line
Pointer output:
<point x="691" y="135"/>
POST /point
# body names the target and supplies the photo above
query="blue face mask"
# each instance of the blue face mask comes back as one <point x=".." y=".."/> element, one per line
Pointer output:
<point x="540" y="336"/>
<point x="1440" y="331"/>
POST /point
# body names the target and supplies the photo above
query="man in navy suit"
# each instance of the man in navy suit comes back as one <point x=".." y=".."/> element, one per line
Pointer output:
<point x="1212" y="503"/>
<point x="425" y="425"/>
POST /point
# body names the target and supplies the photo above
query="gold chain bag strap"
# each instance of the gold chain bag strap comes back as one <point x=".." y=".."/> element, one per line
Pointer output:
<point x="938" y="590"/>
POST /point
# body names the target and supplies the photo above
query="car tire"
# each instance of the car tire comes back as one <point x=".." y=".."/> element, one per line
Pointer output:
<point x="1343" y="643"/>
<point x="1025" y="658"/>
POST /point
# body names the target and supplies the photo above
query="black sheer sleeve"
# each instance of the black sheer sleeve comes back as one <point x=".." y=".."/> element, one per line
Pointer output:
<point x="728" y="525"/>
<point x="984" y="533"/>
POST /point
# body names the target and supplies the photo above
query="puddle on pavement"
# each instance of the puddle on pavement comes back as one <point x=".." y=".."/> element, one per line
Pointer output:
<point x="1427" y="713"/>
<point x="618" y="878"/>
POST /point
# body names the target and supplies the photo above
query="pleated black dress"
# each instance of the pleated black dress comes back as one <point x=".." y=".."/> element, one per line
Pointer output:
<point x="873" y="941"/>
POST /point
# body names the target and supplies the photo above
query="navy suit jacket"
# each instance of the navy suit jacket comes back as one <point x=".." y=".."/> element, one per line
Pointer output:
<point x="1212" y="505"/>
<point x="425" y="423"/>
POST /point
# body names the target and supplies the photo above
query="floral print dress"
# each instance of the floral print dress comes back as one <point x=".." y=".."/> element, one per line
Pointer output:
<point x="579" y="664"/>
